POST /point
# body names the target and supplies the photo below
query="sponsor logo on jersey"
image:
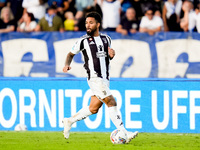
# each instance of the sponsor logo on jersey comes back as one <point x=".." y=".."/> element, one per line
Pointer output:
<point x="100" y="48"/>
<point x="101" y="54"/>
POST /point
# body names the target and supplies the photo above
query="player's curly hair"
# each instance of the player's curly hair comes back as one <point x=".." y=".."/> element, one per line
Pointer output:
<point x="94" y="15"/>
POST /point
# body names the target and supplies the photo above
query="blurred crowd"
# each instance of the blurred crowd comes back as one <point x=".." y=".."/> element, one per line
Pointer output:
<point x="123" y="16"/>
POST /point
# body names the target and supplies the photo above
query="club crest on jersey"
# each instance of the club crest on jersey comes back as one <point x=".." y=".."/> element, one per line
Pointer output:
<point x="104" y="40"/>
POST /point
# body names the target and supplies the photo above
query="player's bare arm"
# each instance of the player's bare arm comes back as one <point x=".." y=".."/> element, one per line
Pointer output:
<point x="68" y="62"/>
<point x="111" y="52"/>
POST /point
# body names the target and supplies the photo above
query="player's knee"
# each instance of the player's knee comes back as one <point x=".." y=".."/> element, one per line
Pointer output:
<point x="110" y="101"/>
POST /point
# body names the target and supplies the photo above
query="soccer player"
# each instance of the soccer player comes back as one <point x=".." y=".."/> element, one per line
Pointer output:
<point x="97" y="52"/>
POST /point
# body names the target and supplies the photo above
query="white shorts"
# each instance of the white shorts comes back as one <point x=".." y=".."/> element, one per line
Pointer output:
<point x="99" y="87"/>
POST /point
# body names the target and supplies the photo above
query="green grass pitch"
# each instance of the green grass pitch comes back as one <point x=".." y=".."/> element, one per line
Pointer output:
<point x="32" y="140"/>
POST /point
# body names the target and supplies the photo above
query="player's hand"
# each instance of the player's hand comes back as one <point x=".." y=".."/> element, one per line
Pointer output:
<point x="66" y="68"/>
<point x="111" y="52"/>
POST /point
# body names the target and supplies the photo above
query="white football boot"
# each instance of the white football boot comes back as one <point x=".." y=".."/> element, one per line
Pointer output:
<point x="131" y="135"/>
<point x="67" y="126"/>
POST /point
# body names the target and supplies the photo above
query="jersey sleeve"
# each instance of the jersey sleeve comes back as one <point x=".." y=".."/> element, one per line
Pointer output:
<point x="77" y="47"/>
<point x="109" y="41"/>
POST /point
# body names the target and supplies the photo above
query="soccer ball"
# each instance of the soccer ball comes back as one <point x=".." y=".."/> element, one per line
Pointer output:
<point x="118" y="137"/>
<point x="20" y="127"/>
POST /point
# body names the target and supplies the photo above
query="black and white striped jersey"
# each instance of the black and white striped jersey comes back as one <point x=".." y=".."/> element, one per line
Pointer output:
<point x="95" y="52"/>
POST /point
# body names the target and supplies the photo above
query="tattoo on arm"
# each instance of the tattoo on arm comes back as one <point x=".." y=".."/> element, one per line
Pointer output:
<point x="69" y="58"/>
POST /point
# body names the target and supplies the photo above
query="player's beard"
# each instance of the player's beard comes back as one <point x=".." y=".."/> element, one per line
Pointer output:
<point x="91" y="33"/>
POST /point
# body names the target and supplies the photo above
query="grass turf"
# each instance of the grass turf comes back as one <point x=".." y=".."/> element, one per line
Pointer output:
<point x="31" y="140"/>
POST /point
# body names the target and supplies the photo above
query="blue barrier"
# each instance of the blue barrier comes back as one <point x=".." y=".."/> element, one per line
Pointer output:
<point x="146" y="105"/>
<point x="42" y="54"/>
